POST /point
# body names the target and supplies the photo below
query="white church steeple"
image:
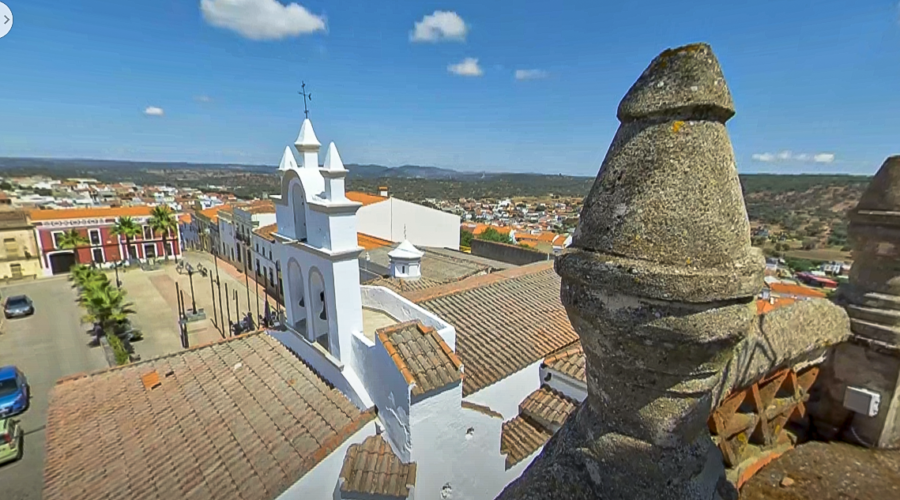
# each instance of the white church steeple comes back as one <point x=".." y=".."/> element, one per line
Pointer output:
<point x="308" y="145"/>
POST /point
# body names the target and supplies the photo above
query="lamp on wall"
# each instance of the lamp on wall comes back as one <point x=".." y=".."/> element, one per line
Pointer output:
<point x="322" y="315"/>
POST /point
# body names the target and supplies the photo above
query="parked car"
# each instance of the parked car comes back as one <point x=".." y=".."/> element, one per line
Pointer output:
<point x="11" y="437"/>
<point x="14" y="391"/>
<point x="18" y="306"/>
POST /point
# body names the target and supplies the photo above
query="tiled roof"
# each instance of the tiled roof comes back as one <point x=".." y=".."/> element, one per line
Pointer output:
<point x="519" y="438"/>
<point x="548" y="407"/>
<point x="259" y="207"/>
<point x="84" y="213"/>
<point x="212" y="213"/>
<point x="791" y="289"/>
<point x="504" y="321"/>
<point x="764" y="306"/>
<point x="364" y="198"/>
<point x="421" y="355"/>
<point x="569" y="361"/>
<point x="477" y="229"/>
<point x="371" y="242"/>
<point x="266" y="231"/>
<point x="485" y="410"/>
<point x="401" y="285"/>
<point x="372" y="468"/>
<point x="240" y="419"/>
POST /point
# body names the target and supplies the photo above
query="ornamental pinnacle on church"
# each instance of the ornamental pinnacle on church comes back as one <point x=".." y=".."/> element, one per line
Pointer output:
<point x="334" y="172"/>
<point x="307" y="144"/>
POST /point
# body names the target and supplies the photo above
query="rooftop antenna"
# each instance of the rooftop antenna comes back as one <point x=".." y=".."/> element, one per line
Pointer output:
<point x="306" y="96"/>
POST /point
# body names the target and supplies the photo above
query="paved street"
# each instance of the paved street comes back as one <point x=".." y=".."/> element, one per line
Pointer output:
<point x="47" y="346"/>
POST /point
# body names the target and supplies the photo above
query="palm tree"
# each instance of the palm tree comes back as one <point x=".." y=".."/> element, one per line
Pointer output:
<point x="73" y="240"/>
<point x="162" y="221"/>
<point x="126" y="226"/>
<point x="106" y="306"/>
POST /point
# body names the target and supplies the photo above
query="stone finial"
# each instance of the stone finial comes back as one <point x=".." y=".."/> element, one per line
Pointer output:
<point x="872" y="297"/>
<point x="659" y="283"/>
<point x="332" y="159"/>
<point x="883" y="193"/>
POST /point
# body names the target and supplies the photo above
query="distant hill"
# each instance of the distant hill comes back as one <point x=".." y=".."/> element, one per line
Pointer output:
<point x="809" y="206"/>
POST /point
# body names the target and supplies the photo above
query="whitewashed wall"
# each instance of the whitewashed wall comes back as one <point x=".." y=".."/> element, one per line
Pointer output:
<point x="573" y="388"/>
<point x="388" y="390"/>
<point x="504" y="396"/>
<point x="321" y="481"/>
<point x="401" y="309"/>
<point x="424" y="226"/>
<point x="457" y="450"/>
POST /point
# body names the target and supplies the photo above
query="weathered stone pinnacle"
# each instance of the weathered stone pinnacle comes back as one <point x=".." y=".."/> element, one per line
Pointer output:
<point x="872" y="297"/>
<point x="660" y="285"/>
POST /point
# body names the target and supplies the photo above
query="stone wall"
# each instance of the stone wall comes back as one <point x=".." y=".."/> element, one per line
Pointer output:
<point x="511" y="254"/>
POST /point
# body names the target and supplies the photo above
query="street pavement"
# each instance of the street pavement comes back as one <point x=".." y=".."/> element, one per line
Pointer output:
<point x="47" y="346"/>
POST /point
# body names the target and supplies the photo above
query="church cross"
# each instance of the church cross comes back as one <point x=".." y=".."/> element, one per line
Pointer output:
<point x="306" y="96"/>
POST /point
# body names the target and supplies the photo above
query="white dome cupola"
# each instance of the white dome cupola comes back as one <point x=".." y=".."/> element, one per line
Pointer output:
<point x="406" y="261"/>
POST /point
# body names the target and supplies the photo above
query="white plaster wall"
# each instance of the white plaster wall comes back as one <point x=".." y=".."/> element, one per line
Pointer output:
<point x="401" y="309"/>
<point x="424" y="226"/>
<point x="264" y="219"/>
<point x="342" y="377"/>
<point x="226" y="237"/>
<point x="317" y="230"/>
<point x="388" y="390"/>
<point x="285" y="218"/>
<point x="565" y="384"/>
<point x="447" y="454"/>
<point x="343" y="231"/>
<point x="320" y="482"/>
<point x="504" y="396"/>
<point x="345" y="295"/>
<point x="516" y="470"/>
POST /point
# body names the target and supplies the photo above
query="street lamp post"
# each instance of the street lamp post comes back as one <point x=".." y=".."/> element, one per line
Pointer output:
<point x="190" y="271"/>
<point x="212" y="293"/>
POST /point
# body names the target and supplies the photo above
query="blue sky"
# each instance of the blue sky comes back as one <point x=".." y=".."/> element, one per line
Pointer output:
<point x="811" y="79"/>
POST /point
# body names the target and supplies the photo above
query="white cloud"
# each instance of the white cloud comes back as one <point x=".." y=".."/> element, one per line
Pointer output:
<point x="785" y="156"/>
<point x="468" y="67"/>
<point x="153" y="111"/>
<point x="438" y="27"/>
<point x="530" y="74"/>
<point x="261" y="19"/>
<point x="203" y="98"/>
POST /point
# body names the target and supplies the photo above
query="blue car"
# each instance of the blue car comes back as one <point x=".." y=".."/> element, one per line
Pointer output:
<point x="14" y="391"/>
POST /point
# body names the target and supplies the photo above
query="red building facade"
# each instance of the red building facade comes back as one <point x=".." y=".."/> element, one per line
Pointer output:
<point x="104" y="248"/>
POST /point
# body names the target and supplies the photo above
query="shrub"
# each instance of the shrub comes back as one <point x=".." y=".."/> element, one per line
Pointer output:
<point x="118" y="348"/>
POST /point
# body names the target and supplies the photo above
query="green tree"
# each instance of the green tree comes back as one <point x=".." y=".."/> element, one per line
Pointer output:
<point x="161" y="222"/>
<point x="107" y="307"/>
<point x="465" y="238"/>
<point x="491" y="234"/>
<point x="73" y="240"/>
<point x="126" y="227"/>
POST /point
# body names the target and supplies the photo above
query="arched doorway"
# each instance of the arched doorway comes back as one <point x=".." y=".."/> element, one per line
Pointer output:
<point x="61" y="262"/>
<point x="298" y="299"/>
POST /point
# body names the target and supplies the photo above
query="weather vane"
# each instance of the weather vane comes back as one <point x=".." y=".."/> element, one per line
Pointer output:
<point x="306" y="96"/>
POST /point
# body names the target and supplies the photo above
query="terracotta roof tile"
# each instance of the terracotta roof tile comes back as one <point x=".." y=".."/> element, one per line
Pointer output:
<point x="402" y="286"/>
<point x="504" y="321"/>
<point x="371" y="242"/>
<point x="764" y="306"/>
<point x="266" y="231"/>
<point x="364" y="198"/>
<point x="372" y="468"/>
<point x="421" y="355"/>
<point x="791" y="289"/>
<point x="241" y="418"/>
<point x="520" y="438"/>
<point x="548" y="407"/>
<point x="486" y="410"/>
<point x="568" y="361"/>
<point x="83" y="213"/>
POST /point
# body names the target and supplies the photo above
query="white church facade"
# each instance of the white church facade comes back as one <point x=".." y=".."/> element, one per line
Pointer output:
<point x="378" y="348"/>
